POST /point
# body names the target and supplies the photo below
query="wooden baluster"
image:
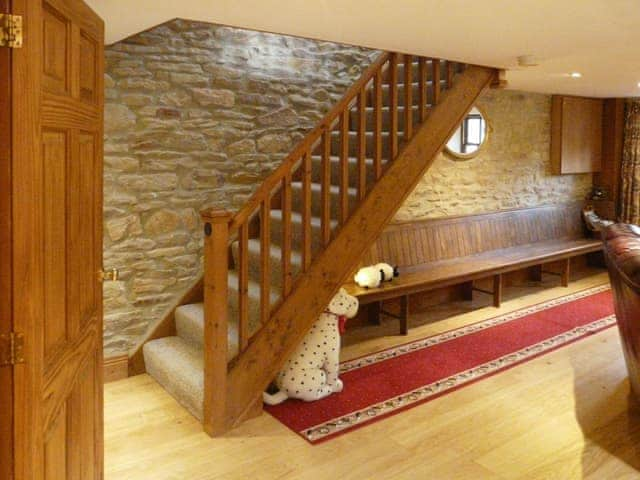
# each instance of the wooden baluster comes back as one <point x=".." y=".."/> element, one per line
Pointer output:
<point x="243" y="286"/>
<point x="435" y="80"/>
<point x="216" y="318"/>
<point x="306" y="210"/>
<point x="393" y="106"/>
<point x="265" y="260"/>
<point x="344" y="166"/>
<point x="325" y="191"/>
<point x="408" y="97"/>
<point x="286" y="235"/>
<point x="422" y="84"/>
<point x="450" y="71"/>
<point x="362" y="143"/>
<point x="377" y="125"/>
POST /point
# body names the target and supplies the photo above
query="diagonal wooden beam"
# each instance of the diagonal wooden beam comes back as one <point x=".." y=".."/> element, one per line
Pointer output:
<point x="268" y="350"/>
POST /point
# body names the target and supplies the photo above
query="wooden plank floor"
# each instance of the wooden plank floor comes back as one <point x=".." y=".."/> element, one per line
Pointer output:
<point x="566" y="415"/>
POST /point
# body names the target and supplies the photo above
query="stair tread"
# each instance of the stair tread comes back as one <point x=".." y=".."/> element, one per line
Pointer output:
<point x="317" y="188"/>
<point x="275" y="251"/>
<point x="179" y="367"/>
<point x="296" y="217"/>
<point x="190" y="327"/>
<point x="350" y="159"/>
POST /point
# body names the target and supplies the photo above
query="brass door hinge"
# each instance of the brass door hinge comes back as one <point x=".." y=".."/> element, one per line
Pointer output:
<point x="11" y="349"/>
<point x="10" y="30"/>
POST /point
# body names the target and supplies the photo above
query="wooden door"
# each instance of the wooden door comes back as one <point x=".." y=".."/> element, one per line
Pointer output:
<point x="6" y="324"/>
<point x="57" y="111"/>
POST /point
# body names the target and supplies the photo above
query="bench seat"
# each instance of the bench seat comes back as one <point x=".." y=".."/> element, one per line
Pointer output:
<point x="444" y="273"/>
<point x="463" y="249"/>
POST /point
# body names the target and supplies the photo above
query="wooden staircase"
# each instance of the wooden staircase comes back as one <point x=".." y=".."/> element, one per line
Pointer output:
<point x="271" y="268"/>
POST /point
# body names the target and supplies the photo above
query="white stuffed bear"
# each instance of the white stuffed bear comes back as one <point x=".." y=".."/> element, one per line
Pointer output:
<point x="311" y="373"/>
<point x="388" y="272"/>
<point x="373" y="275"/>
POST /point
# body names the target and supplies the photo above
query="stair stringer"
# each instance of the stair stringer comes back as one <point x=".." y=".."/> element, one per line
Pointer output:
<point x="251" y="372"/>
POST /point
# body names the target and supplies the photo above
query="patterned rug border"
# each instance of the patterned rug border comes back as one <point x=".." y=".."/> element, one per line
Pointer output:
<point x="335" y="426"/>
<point x="452" y="334"/>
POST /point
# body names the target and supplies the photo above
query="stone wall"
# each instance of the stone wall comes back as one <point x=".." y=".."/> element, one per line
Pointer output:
<point x="513" y="170"/>
<point x="196" y="115"/>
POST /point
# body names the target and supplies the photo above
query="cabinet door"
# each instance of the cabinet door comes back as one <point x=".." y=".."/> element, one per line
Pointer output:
<point x="576" y="135"/>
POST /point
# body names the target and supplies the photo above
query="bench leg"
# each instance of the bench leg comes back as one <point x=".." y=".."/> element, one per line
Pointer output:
<point x="535" y="273"/>
<point x="373" y="313"/>
<point x="566" y="271"/>
<point x="404" y="315"/>
<point x="467" y="291"/>
<point x="497" y="290"/>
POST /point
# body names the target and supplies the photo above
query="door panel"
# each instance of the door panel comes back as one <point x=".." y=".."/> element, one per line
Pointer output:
<point x="54" y="159"/>
<point x="57" y="157"/>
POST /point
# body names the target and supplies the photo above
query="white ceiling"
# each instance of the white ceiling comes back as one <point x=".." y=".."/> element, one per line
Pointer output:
<point x="598" y="38"/>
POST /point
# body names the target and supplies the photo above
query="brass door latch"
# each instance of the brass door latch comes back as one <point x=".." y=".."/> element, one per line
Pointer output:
<point x="109" y="275"/>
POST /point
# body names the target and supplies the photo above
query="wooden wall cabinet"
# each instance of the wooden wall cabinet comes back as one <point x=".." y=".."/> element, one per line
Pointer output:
<point x="576" y="134"/>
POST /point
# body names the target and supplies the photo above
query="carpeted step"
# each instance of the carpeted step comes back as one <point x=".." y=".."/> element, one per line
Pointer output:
<point x="386" y="116"/>
<point x="178" y="366"/>
<point x="416" y="70"/>
<point x="190" y="327"/>
<point x="415" y="67"/>
<point x="336" y="139"/>
<point x="254" y="301"/>
<point x="296" y="230"/>
<point x="316" y="198"/>
<point x="316" y="172"/>
<point x="275" y="263"/>
<point x="415" y="91"/>
<point x="190" y="318"/>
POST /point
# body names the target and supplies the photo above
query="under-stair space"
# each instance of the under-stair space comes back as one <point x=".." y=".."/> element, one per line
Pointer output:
<point x="275" y="241"/>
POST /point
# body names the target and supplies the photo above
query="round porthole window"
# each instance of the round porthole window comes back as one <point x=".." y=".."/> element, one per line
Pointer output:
<point x="470" y="137"/>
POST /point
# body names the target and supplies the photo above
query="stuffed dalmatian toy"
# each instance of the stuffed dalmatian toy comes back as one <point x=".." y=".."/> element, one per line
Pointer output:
<point x="311" y="373"/>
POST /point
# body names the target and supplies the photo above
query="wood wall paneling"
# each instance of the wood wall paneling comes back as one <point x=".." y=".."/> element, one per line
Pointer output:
<point x="461" y="236"/>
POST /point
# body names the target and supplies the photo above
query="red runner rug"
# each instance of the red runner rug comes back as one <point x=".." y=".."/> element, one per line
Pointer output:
<point x="387" y="382"/>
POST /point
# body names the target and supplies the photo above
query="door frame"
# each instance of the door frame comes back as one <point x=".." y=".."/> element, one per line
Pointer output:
<point x="6" y="294"/>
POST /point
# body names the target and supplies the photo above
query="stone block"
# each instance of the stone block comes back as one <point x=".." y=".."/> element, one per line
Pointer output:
<point x="242" y="146"/>
<point x="117" y="117"/>
<point x="150" y="182"/>
<point x="274" y="143"/>
<point x="214" y="97"/>
<point x="283" y="117"/>
<point x="143" y="84"/>
<point x="118" y="227"/>
<point x="162" y="221"/>
<point x="189" y="79"/>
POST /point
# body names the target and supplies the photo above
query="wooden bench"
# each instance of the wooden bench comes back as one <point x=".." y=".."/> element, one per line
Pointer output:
<point x="450" y="251"/>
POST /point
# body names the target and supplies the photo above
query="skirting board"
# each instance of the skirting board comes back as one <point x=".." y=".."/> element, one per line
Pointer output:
<point x="116" y="368"/>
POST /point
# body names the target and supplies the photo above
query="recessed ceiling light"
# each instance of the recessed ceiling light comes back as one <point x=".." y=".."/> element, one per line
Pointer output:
<point x="575" y="75"/>
<point x="638" y="84"/>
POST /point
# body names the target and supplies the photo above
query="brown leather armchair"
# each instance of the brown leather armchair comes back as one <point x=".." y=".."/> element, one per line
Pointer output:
<point x="622" y="252"/>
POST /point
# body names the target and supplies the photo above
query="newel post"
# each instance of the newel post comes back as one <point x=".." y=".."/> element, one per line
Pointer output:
<point x="216" y="267"/>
